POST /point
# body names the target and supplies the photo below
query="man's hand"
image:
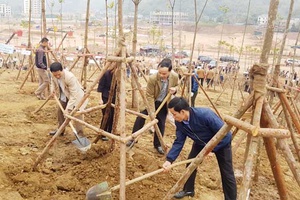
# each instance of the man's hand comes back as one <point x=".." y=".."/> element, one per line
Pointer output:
<point x="192" y="94"/>
<point x="166" y="166"/>
<point x="100" y="102"/>
<point x="172" y="90"/>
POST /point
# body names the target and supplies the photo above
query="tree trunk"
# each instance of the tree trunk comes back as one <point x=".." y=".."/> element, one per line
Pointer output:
<point x="135" y="99"/>
<point x="44" y="28"/>
<point x="85" y="62"/>
<point x="121" y="103"/>
<point x="269" y="33"/>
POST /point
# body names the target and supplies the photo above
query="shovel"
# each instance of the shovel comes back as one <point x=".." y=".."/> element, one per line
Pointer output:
<point x="82" y="143"/>
<point x="101" y="191"/>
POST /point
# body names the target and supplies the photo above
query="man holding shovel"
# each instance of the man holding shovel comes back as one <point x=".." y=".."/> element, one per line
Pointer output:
<point x="158" y="87"/>
<point x="70" y="93"/>
<point x="200" y="124"/>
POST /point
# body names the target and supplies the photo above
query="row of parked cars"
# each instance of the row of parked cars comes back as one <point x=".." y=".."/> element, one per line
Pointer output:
<point x="212" y="63"/>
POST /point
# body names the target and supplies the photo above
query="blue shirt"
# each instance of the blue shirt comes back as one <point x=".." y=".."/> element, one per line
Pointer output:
<point x="202" y="125"/>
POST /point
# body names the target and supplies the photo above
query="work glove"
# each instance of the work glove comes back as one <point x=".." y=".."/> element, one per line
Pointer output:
<point x="192" y="94"/>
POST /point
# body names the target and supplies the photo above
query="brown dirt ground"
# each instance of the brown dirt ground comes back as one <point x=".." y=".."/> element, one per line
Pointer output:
<point x="66" y="173"/>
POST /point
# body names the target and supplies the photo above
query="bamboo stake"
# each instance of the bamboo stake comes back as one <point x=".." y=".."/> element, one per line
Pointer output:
<point x="91" y="109"/>
<point x="288" y="155"/>
<point x="96" y="129"/>
<point x="256" y="131"/>
<point x="252" y="153"/>
<point x="41" y="106"/>
<point x="108" y="107"/>
<point x="20" y="67"/>
<point x="213" y="105"/>
<point x="292" y="114"/>
<point x="26" y="77"/>
<point x="148" y="175"/>
<point x="290" y="127"/>
<point x="75" y="62"/>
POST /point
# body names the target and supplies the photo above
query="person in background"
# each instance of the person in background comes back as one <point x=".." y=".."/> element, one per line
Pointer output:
<point x="200" y="125"/>
<point x="194" y="88"/>
<point x="201" y="75"/>
<point x="70" y="92"/>
<point x="158" y="86"/>
<point x="41" y="64"/>
<point x="104" y="88"/>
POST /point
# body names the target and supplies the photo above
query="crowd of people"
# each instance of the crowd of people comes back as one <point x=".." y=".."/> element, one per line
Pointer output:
<point x="197" y="123"/>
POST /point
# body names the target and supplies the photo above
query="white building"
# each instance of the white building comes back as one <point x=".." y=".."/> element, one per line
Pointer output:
<point x="262" y="19"/>
<point x="165" y="18"/>
<point x="5" y="10"/>
<point x="36" y="8"/>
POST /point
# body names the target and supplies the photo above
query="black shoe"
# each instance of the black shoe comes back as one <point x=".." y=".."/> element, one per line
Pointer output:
<point x="104" y="138"/>
<point x="54" y="132"/>
<point x="160" y="150"/>
<point x="130" y="143"/>
<point x="182" y="194"/>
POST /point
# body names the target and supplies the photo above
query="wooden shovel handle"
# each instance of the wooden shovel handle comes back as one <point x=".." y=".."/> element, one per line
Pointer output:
<point x="150" y="174"/>
<point x="163" y="103"/>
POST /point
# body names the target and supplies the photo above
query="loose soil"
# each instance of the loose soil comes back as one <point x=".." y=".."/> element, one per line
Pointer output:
<point x="67" y="174"/>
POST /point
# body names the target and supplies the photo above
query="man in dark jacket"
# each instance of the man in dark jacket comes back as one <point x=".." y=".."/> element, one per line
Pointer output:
<point x="41" y="64"/>
<point x="200" y="124"/>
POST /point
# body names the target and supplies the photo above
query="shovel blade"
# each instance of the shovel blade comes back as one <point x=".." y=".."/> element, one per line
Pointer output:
<point x="94" y="193"/>
<point x="82" y="143"/>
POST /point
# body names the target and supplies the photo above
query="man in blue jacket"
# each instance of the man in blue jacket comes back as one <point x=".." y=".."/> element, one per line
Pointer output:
<point x="200" y="124"/>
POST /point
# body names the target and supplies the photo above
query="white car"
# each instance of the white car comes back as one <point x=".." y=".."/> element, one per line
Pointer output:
<point x="289" y="62"/>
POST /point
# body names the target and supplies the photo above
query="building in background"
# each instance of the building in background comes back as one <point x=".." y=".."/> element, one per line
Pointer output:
<point x="165" y="18"/>
<point x="5" y="11"/>
<point x="36" y="8"/>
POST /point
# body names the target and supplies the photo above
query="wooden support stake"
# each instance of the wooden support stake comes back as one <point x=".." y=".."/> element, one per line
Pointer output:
<point x="213" y="105"/>
<point x="288" y="120"/>
<point x="256" y="131"/>
<point x="288" y="155"/>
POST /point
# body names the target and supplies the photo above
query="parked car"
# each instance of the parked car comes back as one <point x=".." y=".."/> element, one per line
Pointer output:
<point x="204" y="59"/>
<point x="212" y="64"/>
<point x="289" y="62"/>
<point x="228" y="59"/>
<point x="180" y="55"/>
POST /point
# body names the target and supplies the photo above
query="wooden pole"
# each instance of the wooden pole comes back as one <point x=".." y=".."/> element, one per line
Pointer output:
<point x="290" y="126"/>
<point x="256" y="131"/>
<point x="213" y="105"/>
<point x="252" y="153"/>
<point x="108" y="105"/>
<point x="275" y="166"/>
<point x="26" y="77"/>
<point x="282" y="144"/>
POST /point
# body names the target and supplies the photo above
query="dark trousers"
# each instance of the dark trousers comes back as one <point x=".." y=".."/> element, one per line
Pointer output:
<point x="108" y="125"/>
<point x="224" y="157"/>
<point x="61" y="118"/>
<point x="201" y="81"/>
<point x="161" y="117"/>
<point x="193" y="98"/>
